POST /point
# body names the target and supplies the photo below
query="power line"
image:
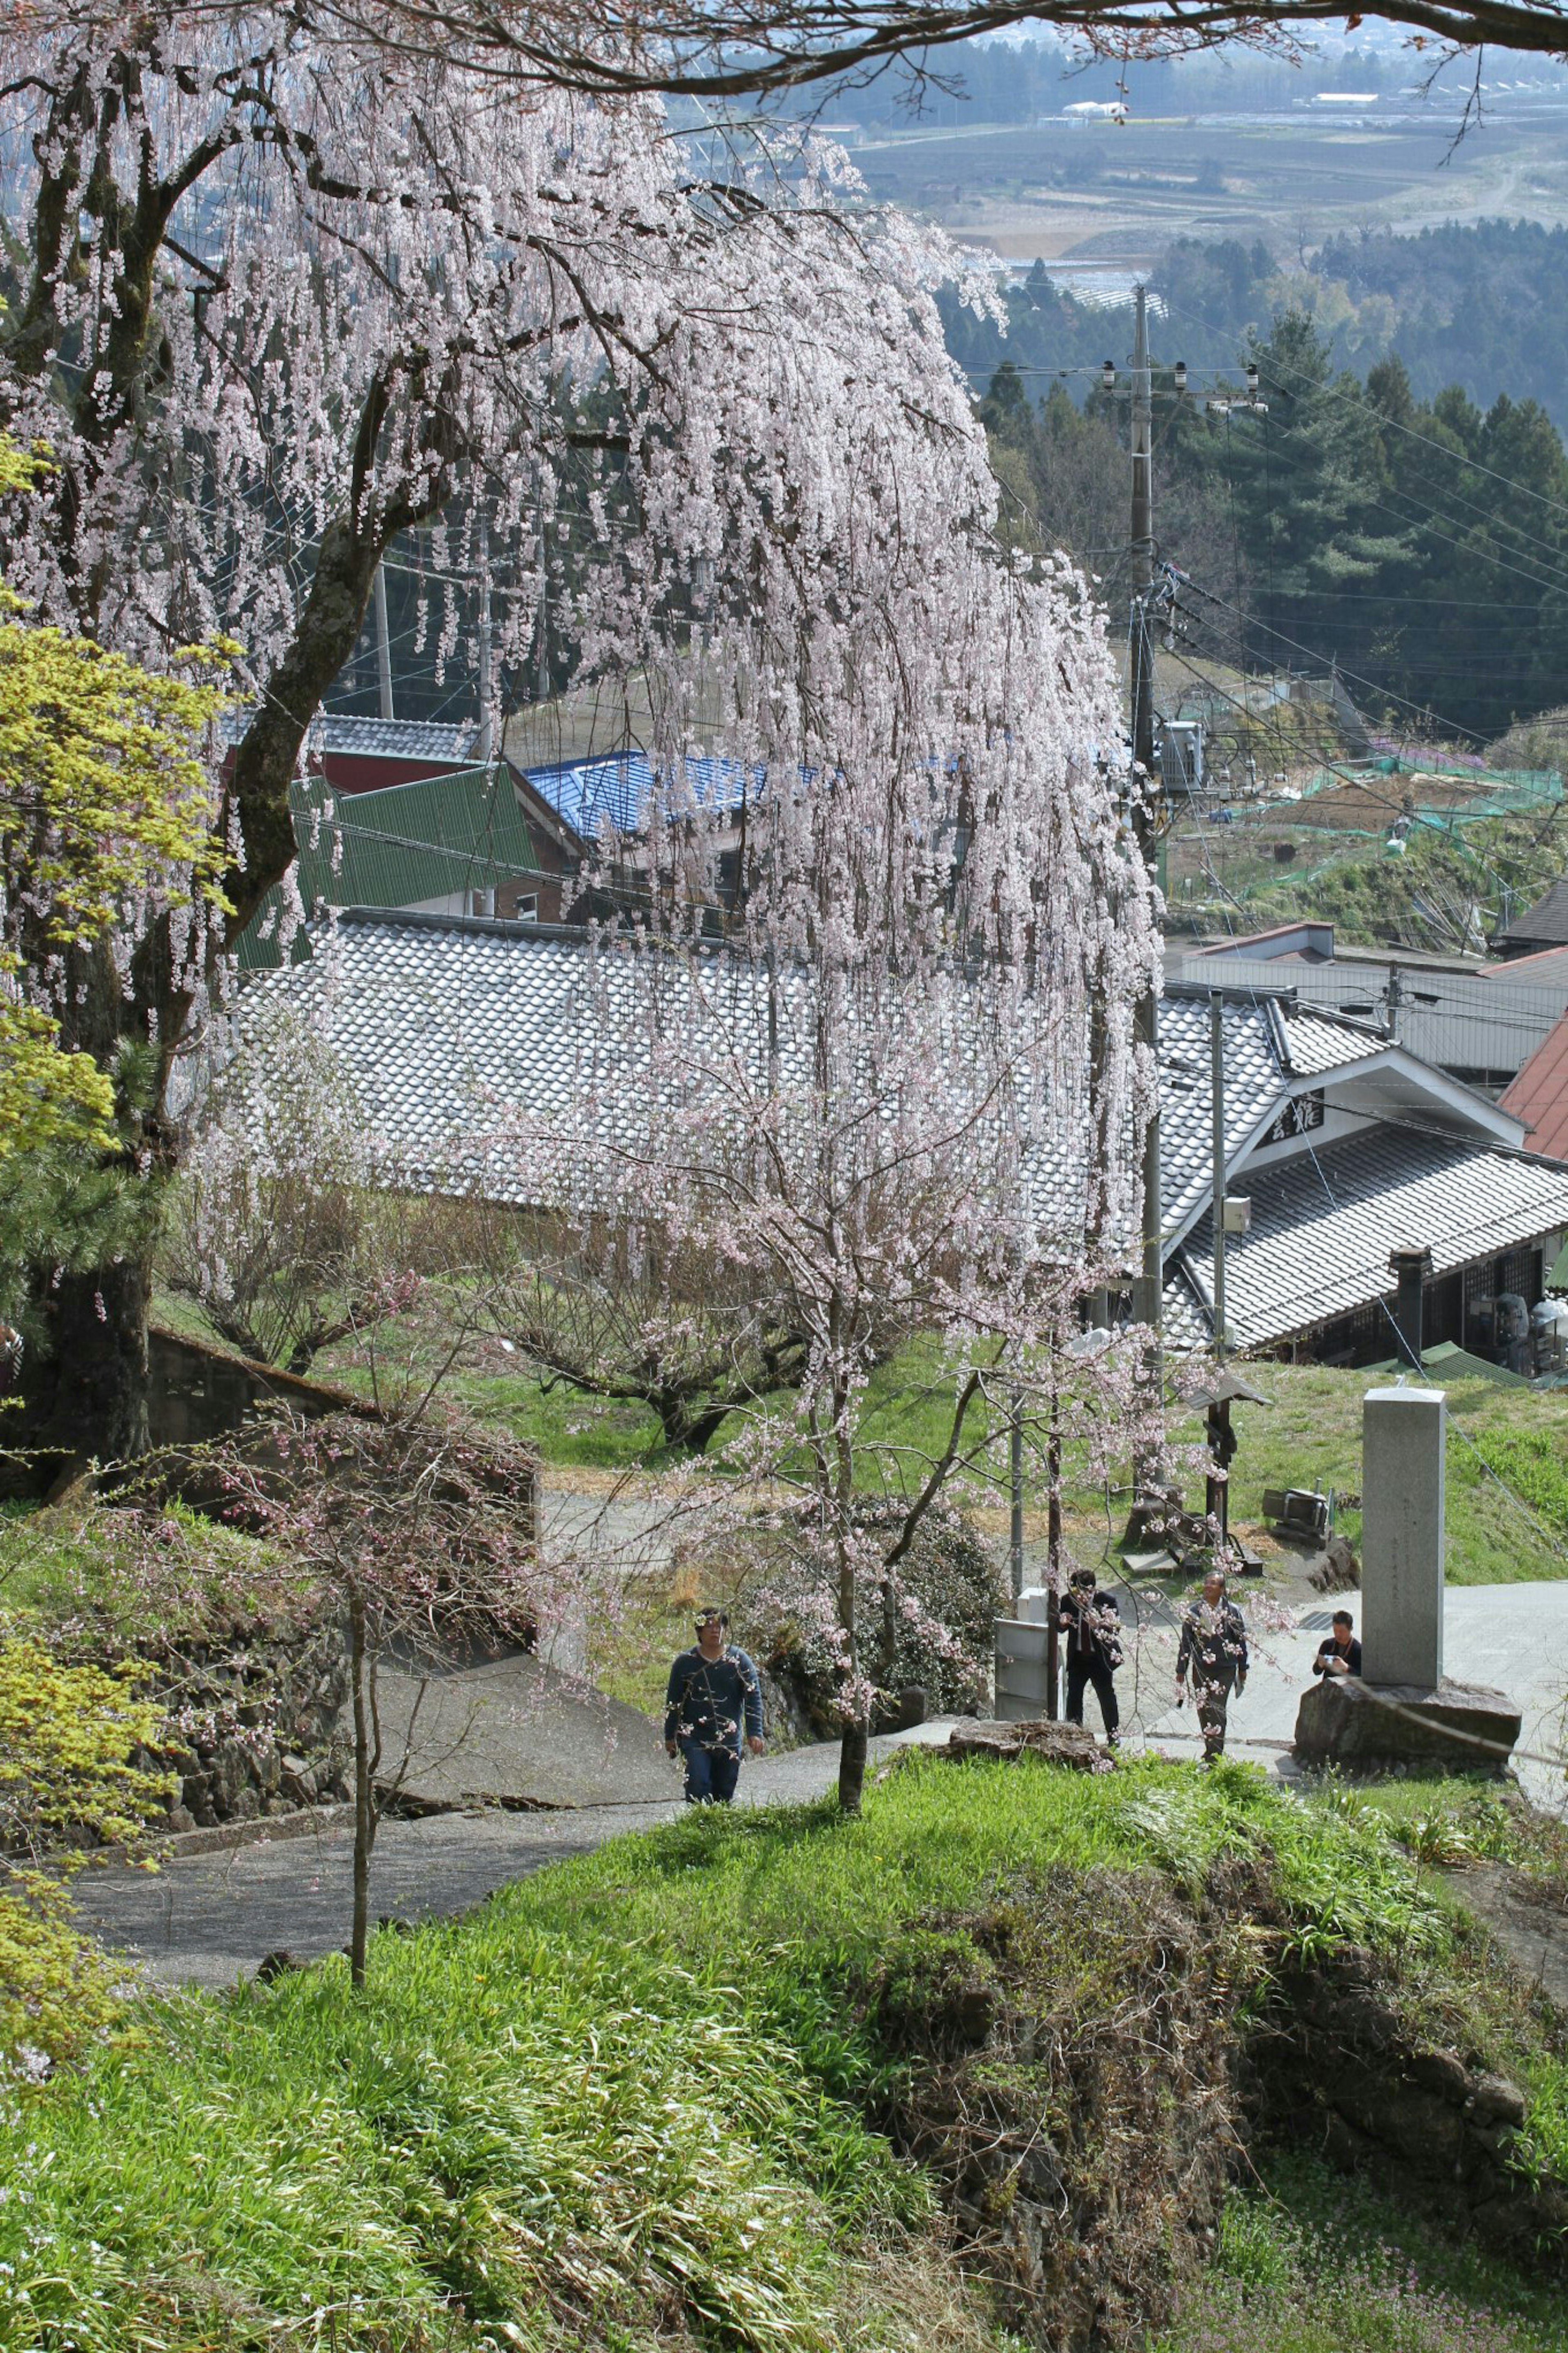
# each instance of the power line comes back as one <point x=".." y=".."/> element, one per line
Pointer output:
<point x="1541" y="498"/>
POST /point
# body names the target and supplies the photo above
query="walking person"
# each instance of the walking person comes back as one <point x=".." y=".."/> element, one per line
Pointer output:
<point x="1091" y="1621"/>
<point x="714" y="1692"/>
<point x="1213" y="1652"/>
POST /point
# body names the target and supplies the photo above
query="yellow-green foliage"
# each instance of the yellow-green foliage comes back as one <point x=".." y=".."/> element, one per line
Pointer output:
<point x="57" y="1989"/>
<point x="103" y="796"/>
<point x="67" y="1734"/>
<point x="67" y="1738"/>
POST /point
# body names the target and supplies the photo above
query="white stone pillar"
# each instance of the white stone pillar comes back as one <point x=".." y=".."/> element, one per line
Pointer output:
<point x="1402" y="1536"/>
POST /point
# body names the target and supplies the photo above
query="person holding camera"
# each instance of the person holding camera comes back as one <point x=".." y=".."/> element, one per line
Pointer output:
<point x="1091" y="1621"/>
<point x="1341" y="1654"/>
<point x="1212" y="1652"/>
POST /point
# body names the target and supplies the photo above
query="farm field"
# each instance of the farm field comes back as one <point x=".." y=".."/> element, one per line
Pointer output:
<point x="1113" y="192"/>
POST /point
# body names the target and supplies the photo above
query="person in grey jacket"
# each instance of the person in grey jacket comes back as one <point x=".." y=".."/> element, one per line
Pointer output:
<point x="714" y="1692"/>
<point x="1213" y="1652"/>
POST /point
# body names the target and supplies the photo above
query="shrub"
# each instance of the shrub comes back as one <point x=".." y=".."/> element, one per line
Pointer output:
<point x="932" y="1624"/>
<point x="68" y="1734"/>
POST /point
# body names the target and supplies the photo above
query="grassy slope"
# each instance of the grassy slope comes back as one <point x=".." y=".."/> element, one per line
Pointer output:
<point x="1372" y="897"/>
<point x="1507" y="1464"/>
<point x="1508" y="1450"/>
<point x="635" y="2087"/>
<point x="1308" y="2262"/>
<point x="77" y="1570"/>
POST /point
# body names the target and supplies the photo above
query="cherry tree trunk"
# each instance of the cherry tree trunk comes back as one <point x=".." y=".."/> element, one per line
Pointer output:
<point x="852" y="1769"/>
<point x="364" y="1790"/>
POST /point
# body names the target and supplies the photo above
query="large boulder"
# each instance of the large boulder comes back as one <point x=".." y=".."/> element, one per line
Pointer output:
<point x="1005" y="1742"/>
<point x="1378" y="1727"/>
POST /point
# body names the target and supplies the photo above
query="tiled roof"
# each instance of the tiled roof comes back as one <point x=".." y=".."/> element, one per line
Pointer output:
<point x="1547" y="968"/>
<point x="398" y="847"/>
<point x="1266" y="1046"/>
<point x="439" y="1021"/>
<point x="1324" y="1225"/>
<point x="592" y="794"/>
<point x="1316" y="1041"/>
<point x="1540" y="1095"/>
<point x="442" y="1020"/>
<point x="386" y="739"/>
<point x="446" y="1026"/>
<point x="1544" y="925"/>
<point x="392" y="739"/>
<point x="1185" y="1320"/>
<point x="1253" y="1081"/>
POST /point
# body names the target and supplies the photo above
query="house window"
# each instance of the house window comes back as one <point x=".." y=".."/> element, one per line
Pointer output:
<point x="527" y="910"/>
<point x="1300" y="1115"/>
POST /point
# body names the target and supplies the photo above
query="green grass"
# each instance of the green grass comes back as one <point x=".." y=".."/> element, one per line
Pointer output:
<point x="1371" y="897"/>
<point x="115" y="1579"/>
<point x="1507" y="1457"/>
<point x="1309" y="2264"/>
<point x="636" y="2087"/>
<point x="1507" y="1464"/>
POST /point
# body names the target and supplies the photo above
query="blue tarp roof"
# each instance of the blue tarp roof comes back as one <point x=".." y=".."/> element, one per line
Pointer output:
<point x="614" y="791"/>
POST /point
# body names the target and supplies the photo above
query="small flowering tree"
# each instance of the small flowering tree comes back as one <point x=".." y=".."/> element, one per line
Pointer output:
<point x="904" y="1099"/>
<point x="276" y="1227"/>
<point x="413" y="1538"/>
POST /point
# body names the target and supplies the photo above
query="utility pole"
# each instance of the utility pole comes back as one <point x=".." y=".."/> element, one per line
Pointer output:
<point x="1216" y="1085"/>
<point x="1151" y="1284"/>
<point x="1016" y="1465"/>
<point x="383" y="645"/>
<point x="487" y="695"/>
<point x="1396" y="1002"/>
<point x="1054" y="1551"/>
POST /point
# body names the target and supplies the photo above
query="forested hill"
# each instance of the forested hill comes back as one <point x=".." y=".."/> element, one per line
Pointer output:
<point x="1485" y="308"/>
<point x="1402" y="531"/>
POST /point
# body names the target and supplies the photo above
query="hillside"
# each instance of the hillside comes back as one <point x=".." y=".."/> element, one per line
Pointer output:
<point x="1507" y="1483"/>
<point x="985" y="2060"/>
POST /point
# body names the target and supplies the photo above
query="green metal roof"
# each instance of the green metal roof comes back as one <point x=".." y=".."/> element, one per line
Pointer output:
<point x="401" y="846"/>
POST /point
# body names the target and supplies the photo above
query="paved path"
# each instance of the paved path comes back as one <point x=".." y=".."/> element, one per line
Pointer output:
<point x="1514" y="1637"/>
<point x="515" y="1732"/>
<point x="209" y="1919"/>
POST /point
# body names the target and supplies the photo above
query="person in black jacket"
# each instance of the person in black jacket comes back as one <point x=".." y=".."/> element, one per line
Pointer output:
<point x="714" y="1689"/>
<point x="1339" y="1654"/>
<point x="1092" y="1623"/>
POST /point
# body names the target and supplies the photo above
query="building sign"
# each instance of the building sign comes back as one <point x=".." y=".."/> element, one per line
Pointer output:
<point x="1300" y="1115"/>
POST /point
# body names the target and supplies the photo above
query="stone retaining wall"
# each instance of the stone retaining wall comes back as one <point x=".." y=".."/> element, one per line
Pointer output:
<point x="251" y="1725"/>
<point x="1347" y="2080"/>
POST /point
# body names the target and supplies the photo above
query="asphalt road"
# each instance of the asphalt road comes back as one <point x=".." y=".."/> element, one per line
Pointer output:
<point x="211" y="1918"/>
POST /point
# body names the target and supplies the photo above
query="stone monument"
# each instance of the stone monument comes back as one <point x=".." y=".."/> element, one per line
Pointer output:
<point x="1402" y="1524"/>
<point x="1403" y="1713"/>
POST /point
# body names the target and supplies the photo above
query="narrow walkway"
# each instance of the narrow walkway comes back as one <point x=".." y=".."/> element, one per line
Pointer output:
<point x="208" y="1919"/>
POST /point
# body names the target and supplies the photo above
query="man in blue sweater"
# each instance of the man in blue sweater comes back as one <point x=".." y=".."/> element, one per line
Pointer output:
<point x="714" y="1692"/>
